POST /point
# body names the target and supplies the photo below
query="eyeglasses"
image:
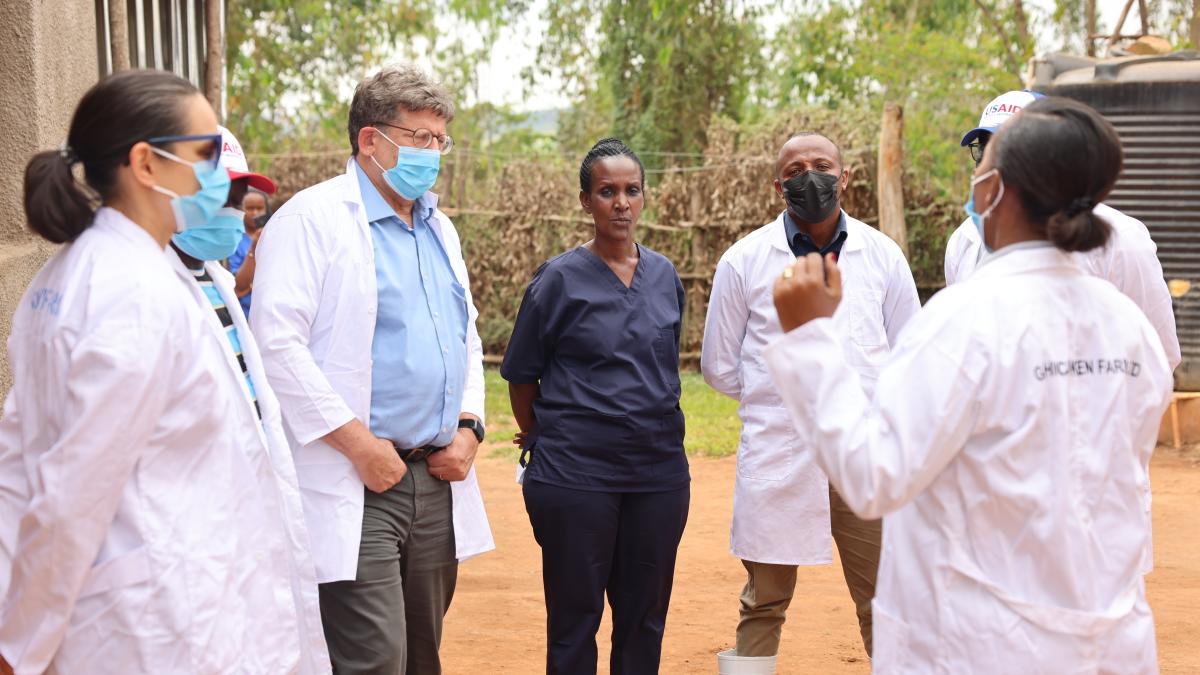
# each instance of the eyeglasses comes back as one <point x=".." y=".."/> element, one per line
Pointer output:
<point x="977" y="147"/>
<point x="423" y="138"/>
<point x="214" y="154"/>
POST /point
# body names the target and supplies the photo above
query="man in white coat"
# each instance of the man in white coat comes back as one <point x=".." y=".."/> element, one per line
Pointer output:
<point x="367" y="330"/>
<point x="784" y="510"/>
<point x="1129" y="261"/>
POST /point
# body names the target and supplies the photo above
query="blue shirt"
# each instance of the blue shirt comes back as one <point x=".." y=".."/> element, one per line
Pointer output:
<point x="607" y="361"/>
<point x="419" y="351"/>
<point x="235" y="263"/>
<point x="802" y="244"/>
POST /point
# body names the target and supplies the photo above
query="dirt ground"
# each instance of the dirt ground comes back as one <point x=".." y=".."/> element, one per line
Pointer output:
<point x="497" y="622"/>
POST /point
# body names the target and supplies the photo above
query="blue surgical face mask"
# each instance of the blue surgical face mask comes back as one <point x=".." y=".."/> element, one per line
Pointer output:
<point x="415" y="172"/>
<point x="216" y="239"/>
<point x="196" y="209"/>
<point x="979" y="218"/>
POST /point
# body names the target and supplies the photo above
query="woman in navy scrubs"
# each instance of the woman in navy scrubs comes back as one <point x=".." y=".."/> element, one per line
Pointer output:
<point x="593" y="372"/>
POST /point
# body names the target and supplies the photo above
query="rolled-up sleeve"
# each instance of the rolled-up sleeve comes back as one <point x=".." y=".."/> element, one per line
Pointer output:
<point x="724" y="331"/>
<point x="288" y="281"/>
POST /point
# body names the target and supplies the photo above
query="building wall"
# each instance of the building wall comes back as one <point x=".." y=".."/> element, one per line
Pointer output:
<point x="47" y="61"/>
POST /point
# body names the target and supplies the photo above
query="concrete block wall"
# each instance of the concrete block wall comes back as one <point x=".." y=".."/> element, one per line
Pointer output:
<point x="47" y="61"/>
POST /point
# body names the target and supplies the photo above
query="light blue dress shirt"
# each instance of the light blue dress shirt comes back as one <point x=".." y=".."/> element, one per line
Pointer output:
<point x="419" y="351"/>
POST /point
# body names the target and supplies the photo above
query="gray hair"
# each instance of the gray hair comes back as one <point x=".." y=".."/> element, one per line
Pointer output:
<point x="403" y="86"/>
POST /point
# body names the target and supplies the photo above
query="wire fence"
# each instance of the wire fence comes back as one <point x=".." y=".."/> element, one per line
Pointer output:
<point x="514" y="211"/>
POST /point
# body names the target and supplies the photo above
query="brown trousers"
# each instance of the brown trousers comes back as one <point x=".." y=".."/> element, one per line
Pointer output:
<point x="769" y="588"/>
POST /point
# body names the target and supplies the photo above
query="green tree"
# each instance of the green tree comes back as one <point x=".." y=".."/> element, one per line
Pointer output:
<point x="940" y="59"/>
<point x="292" y="64"/>
<point x="659" y="70"/>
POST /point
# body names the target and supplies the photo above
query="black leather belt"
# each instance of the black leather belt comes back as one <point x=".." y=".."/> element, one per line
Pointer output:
<point x="416" y="454"/>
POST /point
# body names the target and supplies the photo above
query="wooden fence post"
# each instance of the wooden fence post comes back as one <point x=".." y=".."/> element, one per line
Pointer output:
<point x="890" y="176"/>
<point x="214" y="61"/>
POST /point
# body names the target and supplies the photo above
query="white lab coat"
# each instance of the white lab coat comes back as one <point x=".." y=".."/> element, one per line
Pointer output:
<point x="1016" y="527"/>
<point x="314" y="316"/>
<point x="781" y="498"/>
<point x="1129" y="261"/>
<point x="283" y="490"/>
<point x="136" y="529"/>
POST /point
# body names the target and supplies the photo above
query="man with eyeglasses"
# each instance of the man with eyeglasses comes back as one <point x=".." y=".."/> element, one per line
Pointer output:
<point x="363" y="313"/>
<point x="1129" y="261"/>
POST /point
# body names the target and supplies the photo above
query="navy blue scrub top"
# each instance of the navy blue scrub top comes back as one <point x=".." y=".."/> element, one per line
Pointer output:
<point x="607" y="359"/>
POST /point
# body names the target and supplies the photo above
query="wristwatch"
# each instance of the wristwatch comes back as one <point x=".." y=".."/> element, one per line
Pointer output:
<point x="475" y="426"/>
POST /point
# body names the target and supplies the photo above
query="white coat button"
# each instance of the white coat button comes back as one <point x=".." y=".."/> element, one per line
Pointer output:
<point x="435" y="315"/>
<point x="371" y="309"/>
<point x="445" y="350"/>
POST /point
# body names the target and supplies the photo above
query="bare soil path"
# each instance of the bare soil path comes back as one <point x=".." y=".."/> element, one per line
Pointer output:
<point x="497" y="622"/>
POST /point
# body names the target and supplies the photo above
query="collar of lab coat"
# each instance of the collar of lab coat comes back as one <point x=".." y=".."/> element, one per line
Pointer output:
<point x="1024" y="258"/>
<point x="352" y="195"/>
<point x="112" y="219"/>
<point x="854" y="240"/>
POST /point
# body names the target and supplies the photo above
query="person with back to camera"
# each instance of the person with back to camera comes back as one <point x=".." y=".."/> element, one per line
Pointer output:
<point x="593" y="372"/>
<point x="1008" y="436"/>
<point x="138" y="533"/>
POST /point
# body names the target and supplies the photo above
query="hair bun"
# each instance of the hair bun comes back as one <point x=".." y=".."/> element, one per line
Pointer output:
<point x="1081" y="230"/>
<point x="1079" y="205"/>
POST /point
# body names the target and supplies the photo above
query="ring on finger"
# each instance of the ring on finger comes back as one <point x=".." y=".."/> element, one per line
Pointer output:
<point x="788" y="272"/>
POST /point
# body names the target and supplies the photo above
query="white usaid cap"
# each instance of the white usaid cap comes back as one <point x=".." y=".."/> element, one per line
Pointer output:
<point x="234" y="161"/>
<point x="999" y="110"/>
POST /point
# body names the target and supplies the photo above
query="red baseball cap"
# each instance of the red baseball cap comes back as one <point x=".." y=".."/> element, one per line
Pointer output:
<point x="234" y="161"/>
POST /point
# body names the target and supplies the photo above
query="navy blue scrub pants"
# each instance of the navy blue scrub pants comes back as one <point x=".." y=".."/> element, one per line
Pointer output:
<point x="620" y="542"/>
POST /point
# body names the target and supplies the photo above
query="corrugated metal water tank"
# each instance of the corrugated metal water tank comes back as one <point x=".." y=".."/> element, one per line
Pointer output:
<point x="1154" y="102"/>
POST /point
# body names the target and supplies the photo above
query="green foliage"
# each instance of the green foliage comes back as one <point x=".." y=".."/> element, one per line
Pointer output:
<point x="936" y="58"/>
<point x="713" y="426"/>
<point x="293" y="64"/>
<point x="659" y="70"/>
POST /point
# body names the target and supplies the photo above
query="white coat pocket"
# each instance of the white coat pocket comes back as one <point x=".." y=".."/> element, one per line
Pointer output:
<point x="865" y="312"/>
<point x="765" y="451"/>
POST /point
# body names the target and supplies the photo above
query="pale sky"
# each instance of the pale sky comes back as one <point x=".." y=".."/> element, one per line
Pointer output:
<point x="500" y="78"/>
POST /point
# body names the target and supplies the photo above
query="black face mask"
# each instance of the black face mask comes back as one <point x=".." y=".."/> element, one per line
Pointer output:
<point x="811" y="196"/>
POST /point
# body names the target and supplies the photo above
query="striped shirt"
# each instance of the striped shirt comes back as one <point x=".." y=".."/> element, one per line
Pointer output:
<point x="214" y="296"/>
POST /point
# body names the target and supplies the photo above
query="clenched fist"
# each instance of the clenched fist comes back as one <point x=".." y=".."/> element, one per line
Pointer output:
<point x="810" y="288"/>
<point x="379" y="465"/>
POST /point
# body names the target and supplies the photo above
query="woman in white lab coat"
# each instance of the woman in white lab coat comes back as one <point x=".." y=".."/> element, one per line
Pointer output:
<point x="1010" y="432"/>
<point x="134" y="533"/>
